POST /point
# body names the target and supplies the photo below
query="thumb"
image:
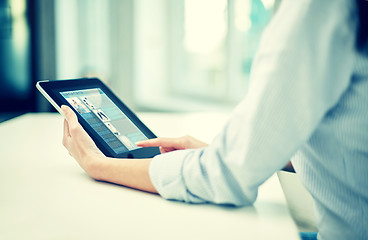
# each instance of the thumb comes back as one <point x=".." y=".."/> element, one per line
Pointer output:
<point x="70" y="116"/>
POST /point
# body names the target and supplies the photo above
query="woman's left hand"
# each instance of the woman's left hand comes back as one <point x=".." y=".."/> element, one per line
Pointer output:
<point x="79" y="143"/>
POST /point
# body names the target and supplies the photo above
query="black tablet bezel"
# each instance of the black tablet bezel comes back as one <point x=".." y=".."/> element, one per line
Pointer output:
<point x="53" y="89"/>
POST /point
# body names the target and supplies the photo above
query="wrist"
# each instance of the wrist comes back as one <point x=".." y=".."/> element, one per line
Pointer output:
<point x="94" y="165"/>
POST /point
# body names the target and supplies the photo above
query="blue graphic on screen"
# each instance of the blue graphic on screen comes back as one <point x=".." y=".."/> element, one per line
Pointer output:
<point x="105" y="118"/>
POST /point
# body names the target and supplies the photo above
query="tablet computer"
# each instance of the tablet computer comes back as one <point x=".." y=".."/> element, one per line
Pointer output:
<point x="109" y="122"/>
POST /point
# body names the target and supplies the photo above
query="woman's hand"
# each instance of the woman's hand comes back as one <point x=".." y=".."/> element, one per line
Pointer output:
<point x="172" y="144"/>
<point x="133" y="173"/>
<point x="79" y="143"/>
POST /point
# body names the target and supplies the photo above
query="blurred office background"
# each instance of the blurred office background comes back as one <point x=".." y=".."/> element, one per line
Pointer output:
<point x="156" y="55"/>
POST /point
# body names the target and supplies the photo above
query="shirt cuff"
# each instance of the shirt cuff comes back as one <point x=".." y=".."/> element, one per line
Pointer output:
<point x="166" y="175"/>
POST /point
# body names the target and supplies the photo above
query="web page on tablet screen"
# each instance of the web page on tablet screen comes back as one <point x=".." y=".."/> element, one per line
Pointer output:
<point x="117" y="130"/>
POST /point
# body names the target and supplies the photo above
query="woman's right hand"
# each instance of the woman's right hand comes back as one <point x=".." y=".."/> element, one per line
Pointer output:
<point x="172" y="144"/>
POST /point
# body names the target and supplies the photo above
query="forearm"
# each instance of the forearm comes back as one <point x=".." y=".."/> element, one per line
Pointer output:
<point x="132" y="173"/>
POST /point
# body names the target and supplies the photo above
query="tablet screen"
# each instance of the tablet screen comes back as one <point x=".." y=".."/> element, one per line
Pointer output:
<point x="109" y="122"/>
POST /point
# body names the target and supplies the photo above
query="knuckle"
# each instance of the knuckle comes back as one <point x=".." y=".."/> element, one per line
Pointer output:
<point x="74" y="129"/>
<point x="67" y="114"/>
<point x="187" y="138"/>
<point x="185" y="141"/>
<point x="183" y="138"/>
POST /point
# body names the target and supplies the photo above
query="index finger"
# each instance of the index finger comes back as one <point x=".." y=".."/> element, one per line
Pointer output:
<point x="158" y="142"/>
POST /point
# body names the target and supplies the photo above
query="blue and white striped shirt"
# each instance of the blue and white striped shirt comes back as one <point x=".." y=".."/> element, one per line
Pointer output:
<point x="308" y="102"/>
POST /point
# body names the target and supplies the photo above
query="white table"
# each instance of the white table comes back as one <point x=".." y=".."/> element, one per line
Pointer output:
<point x="44" y="194"/>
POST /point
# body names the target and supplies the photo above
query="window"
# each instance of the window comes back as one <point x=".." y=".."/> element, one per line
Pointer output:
<point x="94" y="38"/>
<point x="82" y="38"/>
<point x="163" y="54"/>
<point x="197" y="53"/>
